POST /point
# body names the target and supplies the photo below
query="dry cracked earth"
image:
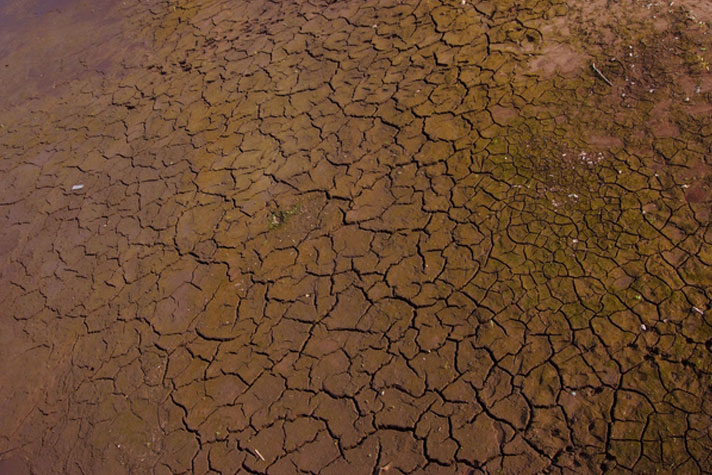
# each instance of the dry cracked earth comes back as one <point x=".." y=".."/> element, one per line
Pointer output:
<point x="355" y="236"/>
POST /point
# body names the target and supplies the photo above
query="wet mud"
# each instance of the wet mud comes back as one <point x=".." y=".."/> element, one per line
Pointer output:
<point x="356" y="237"/>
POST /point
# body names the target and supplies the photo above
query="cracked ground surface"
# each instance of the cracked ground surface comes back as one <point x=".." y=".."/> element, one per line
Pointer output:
<point x="356" y="237"/>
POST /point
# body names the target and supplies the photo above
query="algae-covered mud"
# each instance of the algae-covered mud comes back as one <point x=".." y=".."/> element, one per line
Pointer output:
<point x="356" y="237"/>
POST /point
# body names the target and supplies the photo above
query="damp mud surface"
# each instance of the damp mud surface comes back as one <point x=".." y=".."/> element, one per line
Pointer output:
<point x="356" y="237"/>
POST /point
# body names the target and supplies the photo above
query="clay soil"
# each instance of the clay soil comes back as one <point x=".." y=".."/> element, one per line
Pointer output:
<point x="355" y="236"/>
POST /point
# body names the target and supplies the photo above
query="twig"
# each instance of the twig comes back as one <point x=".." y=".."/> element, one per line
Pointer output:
<point x="259" y="455"/>
<point x="601" y="75"/>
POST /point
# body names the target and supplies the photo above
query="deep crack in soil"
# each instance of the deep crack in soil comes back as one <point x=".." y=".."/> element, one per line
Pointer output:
<point x="355" y="236"/>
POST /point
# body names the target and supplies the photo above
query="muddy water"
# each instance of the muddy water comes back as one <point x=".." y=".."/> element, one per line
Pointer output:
<point x="358" y="237"/>
<point x="46" y="44"/>
<point x="17" y="13"/>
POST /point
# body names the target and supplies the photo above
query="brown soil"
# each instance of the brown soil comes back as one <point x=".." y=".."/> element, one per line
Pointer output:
<point x="355" y="236"/>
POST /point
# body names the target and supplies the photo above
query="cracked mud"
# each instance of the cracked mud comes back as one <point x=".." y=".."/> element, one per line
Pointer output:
<point x="356" y="237"/>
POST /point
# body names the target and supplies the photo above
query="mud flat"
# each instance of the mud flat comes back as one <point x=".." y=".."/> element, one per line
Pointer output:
<point x="356" y="237"/>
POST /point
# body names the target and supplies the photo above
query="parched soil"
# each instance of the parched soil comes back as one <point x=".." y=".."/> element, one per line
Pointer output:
<point x="355" y="236"/>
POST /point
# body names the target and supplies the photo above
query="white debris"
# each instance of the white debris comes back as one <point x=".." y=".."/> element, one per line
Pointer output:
<point x="698" y="310"/>
<point x="77" y="187"/>
<point x="643" y="327"/>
